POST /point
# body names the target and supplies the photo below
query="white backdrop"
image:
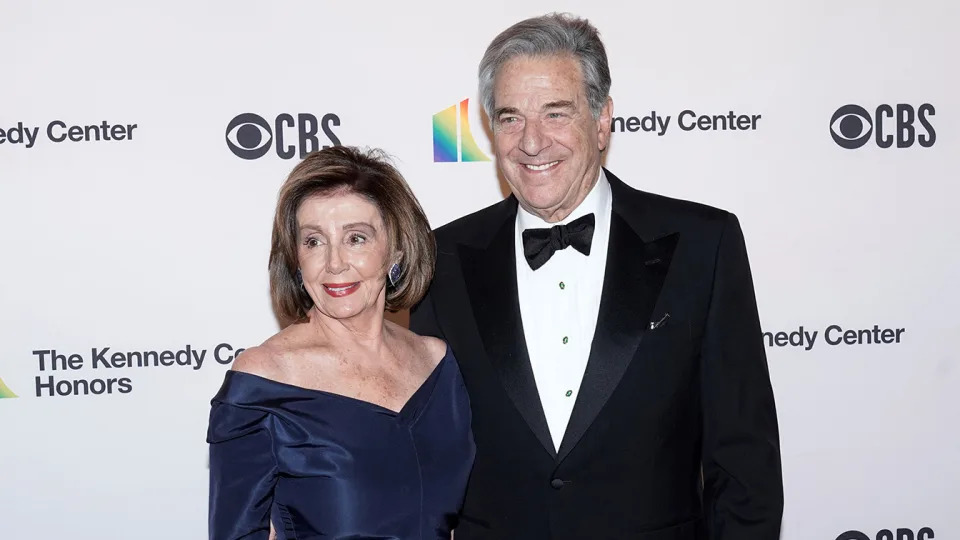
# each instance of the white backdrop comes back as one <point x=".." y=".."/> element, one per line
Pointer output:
<point x="159" y="242"/>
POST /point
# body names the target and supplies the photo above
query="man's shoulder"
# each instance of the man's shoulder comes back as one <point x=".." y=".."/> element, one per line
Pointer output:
<point x="681" y="208"/>
<point x="664" y="212"/>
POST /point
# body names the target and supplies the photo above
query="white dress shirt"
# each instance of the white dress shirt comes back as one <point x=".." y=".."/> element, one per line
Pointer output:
<point x="559" y="303"/>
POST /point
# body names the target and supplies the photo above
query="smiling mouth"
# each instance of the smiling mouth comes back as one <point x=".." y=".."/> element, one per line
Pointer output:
<point x="340" y="289"/>
<point x="542" y="167"/>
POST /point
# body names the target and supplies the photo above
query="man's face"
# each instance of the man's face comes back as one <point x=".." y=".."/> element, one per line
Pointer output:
<point x="546" y="140"/>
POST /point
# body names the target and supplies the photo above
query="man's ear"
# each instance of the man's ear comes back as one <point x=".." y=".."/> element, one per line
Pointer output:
<point x="603" y="124"/>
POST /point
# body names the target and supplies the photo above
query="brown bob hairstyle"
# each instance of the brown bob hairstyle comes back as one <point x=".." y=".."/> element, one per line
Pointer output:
<point x="369" y="174"/>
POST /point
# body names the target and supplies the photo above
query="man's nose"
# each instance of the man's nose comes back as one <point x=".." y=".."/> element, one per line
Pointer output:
<point x="533" y="139"/>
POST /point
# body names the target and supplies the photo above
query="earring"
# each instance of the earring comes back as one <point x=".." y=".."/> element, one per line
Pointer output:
<point x="299" y="278"/>
<point x="394" y="274"/>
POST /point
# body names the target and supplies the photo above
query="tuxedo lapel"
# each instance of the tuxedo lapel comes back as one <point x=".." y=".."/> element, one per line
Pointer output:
<point x="634" y="275"/>
<point x="491" y="280"/>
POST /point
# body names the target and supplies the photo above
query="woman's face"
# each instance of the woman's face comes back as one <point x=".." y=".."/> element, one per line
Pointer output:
<point x="343" y="251"/>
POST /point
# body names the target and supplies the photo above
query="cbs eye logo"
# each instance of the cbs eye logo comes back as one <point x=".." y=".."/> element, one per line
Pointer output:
<point x="249" y="136"/>
<point x="925" y="533"/>
<point x="851" y="126"/>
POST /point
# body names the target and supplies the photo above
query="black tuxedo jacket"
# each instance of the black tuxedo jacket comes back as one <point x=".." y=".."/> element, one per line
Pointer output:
<point x="674" y="433"/>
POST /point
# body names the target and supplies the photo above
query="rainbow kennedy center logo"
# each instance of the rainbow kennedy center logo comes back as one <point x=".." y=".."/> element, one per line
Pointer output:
<point x="452" y="139"/>
<point x="5" y="391"/>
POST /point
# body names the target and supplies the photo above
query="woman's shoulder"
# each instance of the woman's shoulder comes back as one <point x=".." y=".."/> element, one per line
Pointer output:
<point x="254" y="370"/>
<point x="260" y="384"/>
<point x="270" y="358"/>
<point x="260" y="371"/>
<point x="434" y="347"/>
<point x="262" y="360"/>
<point x="428" y="346"/>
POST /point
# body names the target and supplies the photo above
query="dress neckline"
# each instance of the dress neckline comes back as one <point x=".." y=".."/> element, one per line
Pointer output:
<point x="409" y="407"/>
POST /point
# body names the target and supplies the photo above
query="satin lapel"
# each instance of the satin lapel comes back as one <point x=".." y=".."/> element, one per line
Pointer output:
<point x="633" y="278"/>
<point x="491" y="279"/>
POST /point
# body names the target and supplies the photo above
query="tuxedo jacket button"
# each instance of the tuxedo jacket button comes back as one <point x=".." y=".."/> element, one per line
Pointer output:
<point x="556" y="483"/>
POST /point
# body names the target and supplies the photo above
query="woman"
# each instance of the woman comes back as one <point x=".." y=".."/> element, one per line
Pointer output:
<point x="343" y="425"/>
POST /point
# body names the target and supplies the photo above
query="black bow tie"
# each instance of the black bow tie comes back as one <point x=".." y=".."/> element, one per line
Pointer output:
<point x="540" y="244"/>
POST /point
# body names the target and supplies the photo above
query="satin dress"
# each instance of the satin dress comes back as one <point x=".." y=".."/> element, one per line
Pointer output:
<point x="323" y="465"/>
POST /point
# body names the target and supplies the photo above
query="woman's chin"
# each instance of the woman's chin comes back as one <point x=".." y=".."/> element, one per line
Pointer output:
<point x="344" y="308"/>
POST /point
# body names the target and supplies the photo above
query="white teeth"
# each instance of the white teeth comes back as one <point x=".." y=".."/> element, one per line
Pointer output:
<point x="339" y="289"/>
<point x="543" y="167"/>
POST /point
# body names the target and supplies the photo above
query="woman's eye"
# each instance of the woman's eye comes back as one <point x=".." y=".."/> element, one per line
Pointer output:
<point x="357" y="239"/>
<point x="311" y="242"/>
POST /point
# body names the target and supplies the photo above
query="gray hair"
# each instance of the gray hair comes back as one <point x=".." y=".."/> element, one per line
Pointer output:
<point x="549" y="35"/>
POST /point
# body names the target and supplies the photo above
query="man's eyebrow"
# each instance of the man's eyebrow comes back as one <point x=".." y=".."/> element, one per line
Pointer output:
<point x="505" y="110"/>
<point x="562" y="104"/>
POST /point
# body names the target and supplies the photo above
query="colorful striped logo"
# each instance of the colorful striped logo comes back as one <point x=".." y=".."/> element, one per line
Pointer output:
<point x="5" y="392"/>
<point x="452" y="139"/>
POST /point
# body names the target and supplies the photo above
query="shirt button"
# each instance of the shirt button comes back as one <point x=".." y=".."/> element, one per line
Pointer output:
<point x="556" y="483"/>
<point x="569" y="393"/>
<point x="562" y="286"/>
<point x="565" y="340"/>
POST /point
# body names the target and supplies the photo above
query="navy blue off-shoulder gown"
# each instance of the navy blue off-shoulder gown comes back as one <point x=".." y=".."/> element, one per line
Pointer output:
<point x="322" y="465"/>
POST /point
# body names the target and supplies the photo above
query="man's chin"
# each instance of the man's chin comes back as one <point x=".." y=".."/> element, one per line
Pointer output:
<point x="541" y="207"/>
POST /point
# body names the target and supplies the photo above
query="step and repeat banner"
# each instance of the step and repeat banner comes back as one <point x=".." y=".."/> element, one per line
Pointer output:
<point x="142" y="147"/>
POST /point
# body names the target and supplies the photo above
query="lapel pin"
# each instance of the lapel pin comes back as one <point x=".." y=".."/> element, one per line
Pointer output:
<point x="658" y="324"/>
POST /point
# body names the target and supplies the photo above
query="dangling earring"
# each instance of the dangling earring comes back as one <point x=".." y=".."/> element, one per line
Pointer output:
<point x="299" y="278"/>
<point x="394" y="274"/>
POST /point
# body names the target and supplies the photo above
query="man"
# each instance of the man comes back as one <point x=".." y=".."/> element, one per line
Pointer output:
<point x="608" y="338"/>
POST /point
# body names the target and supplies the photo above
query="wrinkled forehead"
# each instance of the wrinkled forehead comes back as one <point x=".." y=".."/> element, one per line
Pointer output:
<point x="339" y="208"/>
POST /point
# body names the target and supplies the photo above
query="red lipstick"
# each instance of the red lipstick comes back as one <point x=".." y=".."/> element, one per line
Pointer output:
<point x="338" y="290"/>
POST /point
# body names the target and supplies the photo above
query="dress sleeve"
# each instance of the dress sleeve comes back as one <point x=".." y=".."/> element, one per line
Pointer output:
<point x="243" y="472"/>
